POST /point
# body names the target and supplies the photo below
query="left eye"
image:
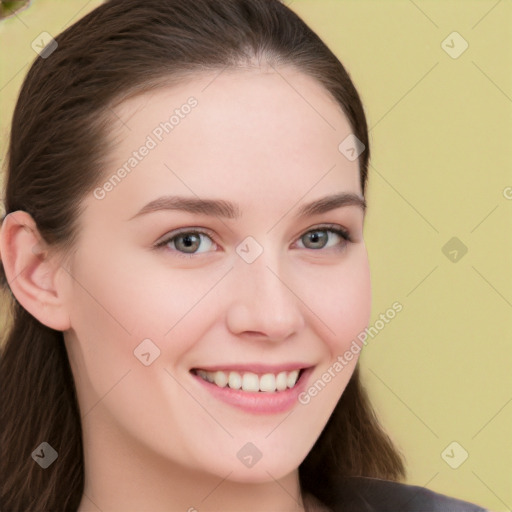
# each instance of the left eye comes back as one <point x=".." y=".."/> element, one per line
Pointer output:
<point x="314" y="237"/>
<point x="191" y="239"/>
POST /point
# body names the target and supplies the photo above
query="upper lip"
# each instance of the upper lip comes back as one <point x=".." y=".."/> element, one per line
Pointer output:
<point x="254" y="367"/>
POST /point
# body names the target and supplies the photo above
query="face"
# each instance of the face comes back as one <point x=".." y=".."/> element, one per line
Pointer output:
<point x="165" y="300"/>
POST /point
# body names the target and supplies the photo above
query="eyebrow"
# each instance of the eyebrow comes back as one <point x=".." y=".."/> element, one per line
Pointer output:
<point x="226" y="209"/>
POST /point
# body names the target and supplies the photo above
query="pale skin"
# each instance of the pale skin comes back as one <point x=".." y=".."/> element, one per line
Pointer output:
<point x="154" y="439"/>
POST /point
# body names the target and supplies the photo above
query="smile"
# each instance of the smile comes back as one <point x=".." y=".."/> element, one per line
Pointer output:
<point x="254" y="388"/>
<point x="251" y="382"/>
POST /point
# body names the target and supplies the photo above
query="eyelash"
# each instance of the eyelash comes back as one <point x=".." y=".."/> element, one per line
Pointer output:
<point x="333" y="228"/>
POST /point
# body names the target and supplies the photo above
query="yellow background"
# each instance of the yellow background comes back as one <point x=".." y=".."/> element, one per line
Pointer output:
<point x="441" y="134"/>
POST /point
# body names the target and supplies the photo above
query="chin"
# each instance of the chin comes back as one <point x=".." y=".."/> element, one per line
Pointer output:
<point x="260" y="474"/>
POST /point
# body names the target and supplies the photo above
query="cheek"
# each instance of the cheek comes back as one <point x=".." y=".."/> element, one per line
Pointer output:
<point x="119" y="308"/>
<point x="355" y="304"/>
<point x="345" y="310"/>
<point x="136" y="297"/>
<point x="341" y="301"/>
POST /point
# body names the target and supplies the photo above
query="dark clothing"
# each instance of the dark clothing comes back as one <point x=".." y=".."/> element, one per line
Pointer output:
<point x="362" y="494"/>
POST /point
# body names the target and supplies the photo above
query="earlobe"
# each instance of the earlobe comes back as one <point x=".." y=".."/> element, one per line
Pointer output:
<point x="31" y="272"/>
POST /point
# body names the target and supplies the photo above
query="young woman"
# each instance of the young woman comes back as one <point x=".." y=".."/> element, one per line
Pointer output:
<point x="185" y="199"/>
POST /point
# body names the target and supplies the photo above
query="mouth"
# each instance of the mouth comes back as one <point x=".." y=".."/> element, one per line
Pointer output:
<point x="255" y="388"/>
<point x="251" y="382"/>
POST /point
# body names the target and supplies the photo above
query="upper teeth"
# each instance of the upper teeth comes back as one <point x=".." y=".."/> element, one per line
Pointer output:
<point x="251" y="381"/>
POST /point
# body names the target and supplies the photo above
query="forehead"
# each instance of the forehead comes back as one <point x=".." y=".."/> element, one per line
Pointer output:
<point x="244" y="134"/>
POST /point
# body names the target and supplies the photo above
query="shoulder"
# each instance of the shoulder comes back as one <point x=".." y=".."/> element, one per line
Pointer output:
<point x="363" y="494"/>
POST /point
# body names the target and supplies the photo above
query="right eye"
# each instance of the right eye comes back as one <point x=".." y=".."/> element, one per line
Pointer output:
<point x="185" y="240"/>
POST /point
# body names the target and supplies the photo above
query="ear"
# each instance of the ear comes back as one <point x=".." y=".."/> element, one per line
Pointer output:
<point x="31" y="273"/>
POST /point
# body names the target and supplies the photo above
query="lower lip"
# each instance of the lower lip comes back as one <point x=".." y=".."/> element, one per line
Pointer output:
<point x="260" y="402"/>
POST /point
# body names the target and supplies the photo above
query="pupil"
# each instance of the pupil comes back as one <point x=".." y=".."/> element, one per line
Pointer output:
<point x="316" y="236"/>
<point x="188" y="240"/>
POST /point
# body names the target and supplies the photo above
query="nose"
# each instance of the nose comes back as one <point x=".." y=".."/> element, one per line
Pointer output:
<point x="264" y="303"/>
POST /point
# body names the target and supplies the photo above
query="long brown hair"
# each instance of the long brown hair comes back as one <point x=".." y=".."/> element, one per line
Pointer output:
<point x="56" y="156"/>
